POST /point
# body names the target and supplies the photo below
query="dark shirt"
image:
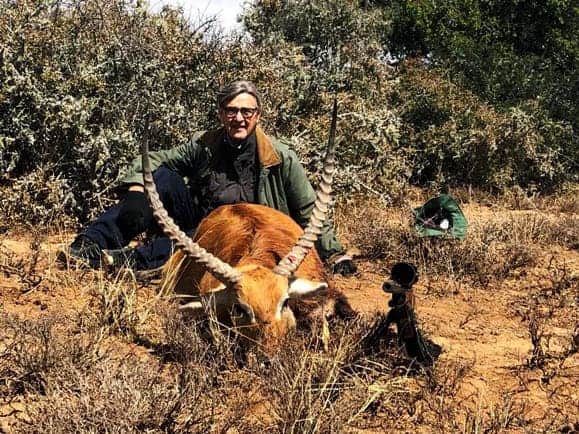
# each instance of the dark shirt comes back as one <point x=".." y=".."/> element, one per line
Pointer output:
<point x="234" y="178"/>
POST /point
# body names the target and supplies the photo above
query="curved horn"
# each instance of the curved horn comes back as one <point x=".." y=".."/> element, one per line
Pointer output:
<point x="222" y="271"/>
<point x="290" y="262"/>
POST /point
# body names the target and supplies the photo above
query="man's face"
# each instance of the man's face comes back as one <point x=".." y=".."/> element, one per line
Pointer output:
<point x="239" y="116"/>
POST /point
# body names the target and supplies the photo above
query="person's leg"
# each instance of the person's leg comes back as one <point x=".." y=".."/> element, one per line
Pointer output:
<point x="178" y="202"/>
<point x="154" y="253"/>
<point x="105" y="230"/>
<point x="100" y="234"/>
<point x="105" y="233"/>
<point x="176" y="199"/>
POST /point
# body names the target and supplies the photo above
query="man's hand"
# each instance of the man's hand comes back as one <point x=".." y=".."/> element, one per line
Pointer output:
<point x="135" y="215"/>
<point x="344" y="265"/>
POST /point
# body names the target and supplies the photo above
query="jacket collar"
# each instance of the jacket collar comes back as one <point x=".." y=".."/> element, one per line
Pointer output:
<point x="266" y="153"/>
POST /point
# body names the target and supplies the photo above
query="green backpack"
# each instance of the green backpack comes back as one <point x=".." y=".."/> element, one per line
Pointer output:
<point x="440" y="216"/>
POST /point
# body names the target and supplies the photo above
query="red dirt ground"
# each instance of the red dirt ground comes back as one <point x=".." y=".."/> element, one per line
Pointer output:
<point x="483" y="328"/>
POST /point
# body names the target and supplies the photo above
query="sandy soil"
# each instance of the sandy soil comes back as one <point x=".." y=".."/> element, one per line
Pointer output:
<point x="486" y="329"/>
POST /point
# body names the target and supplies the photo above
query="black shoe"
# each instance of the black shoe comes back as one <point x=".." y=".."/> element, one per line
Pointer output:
<point x="83" y="250"/>
<point x="115" y="259"/>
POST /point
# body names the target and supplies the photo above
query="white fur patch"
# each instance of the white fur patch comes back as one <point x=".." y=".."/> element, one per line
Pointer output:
<point x="304" y="288"/>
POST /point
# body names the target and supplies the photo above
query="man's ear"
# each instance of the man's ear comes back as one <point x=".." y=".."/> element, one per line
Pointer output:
<point x="221" y="116"/>
<point x="299" y="288"/>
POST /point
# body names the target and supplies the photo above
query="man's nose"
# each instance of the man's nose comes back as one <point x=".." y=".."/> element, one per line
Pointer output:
<point x="238" y="116"/>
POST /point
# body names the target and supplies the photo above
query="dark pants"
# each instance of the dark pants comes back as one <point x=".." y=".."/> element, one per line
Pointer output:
<point x="178" y="203"/>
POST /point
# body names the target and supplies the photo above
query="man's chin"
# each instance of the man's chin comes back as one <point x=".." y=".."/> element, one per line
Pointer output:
<point x="238" y="136"/>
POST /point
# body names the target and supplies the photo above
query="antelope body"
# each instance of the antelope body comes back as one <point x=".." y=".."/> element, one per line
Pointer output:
<point x="253" y="239"/>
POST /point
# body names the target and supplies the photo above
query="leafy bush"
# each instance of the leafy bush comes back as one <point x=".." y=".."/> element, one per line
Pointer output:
<point x="507" y="52"/>
<point x="78" y="81"/>
<point x="458" y="140"/>
<point x="83" y="83"/>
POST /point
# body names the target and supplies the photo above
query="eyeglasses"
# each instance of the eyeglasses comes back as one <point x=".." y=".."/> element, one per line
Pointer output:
<point x="246" y="112"/>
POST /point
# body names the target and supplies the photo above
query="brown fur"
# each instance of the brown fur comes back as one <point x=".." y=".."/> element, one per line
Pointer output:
<point x="246" y="235"/>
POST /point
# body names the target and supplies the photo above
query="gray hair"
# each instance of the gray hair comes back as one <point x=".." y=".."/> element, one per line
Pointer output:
<point x="231" y="90"/>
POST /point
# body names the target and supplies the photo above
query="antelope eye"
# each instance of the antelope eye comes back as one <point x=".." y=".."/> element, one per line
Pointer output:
<point x="238" y="311"/>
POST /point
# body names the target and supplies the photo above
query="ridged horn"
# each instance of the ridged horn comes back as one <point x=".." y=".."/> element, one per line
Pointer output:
<point x="221" y="270"/>
<point x="290" y="262"/>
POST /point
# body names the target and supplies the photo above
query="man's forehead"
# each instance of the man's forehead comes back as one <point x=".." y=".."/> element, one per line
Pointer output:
<point x="242" y="100"/>
<point x="263" y="289"/>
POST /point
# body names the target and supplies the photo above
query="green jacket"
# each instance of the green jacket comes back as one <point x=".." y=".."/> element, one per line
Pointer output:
<point x="282" y="181"/>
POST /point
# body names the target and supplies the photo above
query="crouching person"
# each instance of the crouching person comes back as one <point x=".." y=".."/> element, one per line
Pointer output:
<point x="237" y="163"/>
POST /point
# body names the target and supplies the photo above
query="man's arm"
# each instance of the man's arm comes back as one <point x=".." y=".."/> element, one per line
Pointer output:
<point x="135" y="214"/>
<point x="181" y="159"/>
<point x="301" y="197"/>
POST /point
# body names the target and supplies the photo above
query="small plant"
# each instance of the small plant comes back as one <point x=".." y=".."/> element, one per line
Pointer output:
<point x="538" y="358"/>
<point x="507" y="414"/>
<point x="29" y="354"/>
<point x="116" y="304"/>
<point x="26" y="269"/>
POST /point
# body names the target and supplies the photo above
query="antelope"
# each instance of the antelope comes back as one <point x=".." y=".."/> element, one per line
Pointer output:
<point x="252" y="266"/>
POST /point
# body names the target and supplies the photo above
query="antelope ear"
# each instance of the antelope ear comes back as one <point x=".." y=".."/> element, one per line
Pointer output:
<point x="306" y="288"/>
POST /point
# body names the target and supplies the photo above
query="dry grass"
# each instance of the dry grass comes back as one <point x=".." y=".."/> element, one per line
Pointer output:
<point x="515" y="198"/>
<point x="73" y="378"/>
<point x="124" y="360"/>
<point x="494" y="247"/>
<point x="77" y="382"/>
<point x="25" y="269"/>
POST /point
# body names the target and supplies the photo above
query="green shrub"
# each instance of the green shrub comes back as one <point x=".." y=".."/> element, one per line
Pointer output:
<point x="458" y="140"/>
<point x="83" y="83"/>
<point x="77" y="83"/>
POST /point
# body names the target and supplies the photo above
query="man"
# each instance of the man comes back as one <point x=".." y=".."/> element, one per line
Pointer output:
<point x="237" y="163"/>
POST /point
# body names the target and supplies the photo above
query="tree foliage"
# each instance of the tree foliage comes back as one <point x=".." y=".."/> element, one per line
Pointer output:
<point x="83" y="82"/>
<point x="455" y="138"/>
<point x="341" y="41"/>
<point x="508" y="52"/>
<point x="77" y="81"/>
<point x="485" y="90"/>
